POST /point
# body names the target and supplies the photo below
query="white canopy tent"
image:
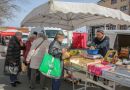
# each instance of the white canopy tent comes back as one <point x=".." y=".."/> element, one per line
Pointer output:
<point x="69" y="16"/>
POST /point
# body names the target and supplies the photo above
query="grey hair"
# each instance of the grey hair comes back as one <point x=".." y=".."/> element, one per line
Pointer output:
<point x="42" y="36"/>
<point x="31" y="36"/>
<point x="18" y="34"/>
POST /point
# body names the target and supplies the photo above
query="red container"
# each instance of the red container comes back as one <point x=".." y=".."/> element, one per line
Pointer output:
<point x="79" y="40"/>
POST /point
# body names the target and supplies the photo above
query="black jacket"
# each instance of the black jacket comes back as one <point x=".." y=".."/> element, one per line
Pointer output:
<point x="102" y="45"/>
<point x="13" y="51"/>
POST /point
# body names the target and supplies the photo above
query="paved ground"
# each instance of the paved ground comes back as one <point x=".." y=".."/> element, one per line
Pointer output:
<point x="4" y="83"/>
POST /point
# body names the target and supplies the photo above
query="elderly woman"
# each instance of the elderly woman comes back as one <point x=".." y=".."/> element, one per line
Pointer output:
<point x="13" y="56"/>
<point x="28" y="45"/>
<point x="38" y="49"/>
<point x="56" y="50"/>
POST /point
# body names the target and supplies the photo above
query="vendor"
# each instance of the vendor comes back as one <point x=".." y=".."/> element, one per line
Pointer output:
<point x="101" y="42"/>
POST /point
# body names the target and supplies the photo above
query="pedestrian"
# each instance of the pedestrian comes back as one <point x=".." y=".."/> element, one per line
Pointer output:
<point x="38" y="49"/>
<point x="56" y="50"/>
<point x="101" y="41"/>
<point x="14" y="56"/>
<point x="28" y="45"/>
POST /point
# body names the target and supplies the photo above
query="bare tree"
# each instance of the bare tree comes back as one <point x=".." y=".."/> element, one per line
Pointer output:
<point x="7" y="9"/>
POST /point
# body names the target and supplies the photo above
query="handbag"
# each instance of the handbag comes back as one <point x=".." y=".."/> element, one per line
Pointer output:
<point x="51" y="66"/>
<point x="11" y="68"/>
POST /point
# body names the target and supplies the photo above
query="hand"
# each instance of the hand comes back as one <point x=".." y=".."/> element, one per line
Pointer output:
<point x="92" y="48"/>
<point x="27" y="62"/>
<point x="64" y="50"/>
<point x="21" y="43"/>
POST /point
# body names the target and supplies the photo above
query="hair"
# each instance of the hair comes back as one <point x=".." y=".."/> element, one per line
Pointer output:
<point x="31" y="36"/>
<point x="42" y="36"/>
<point x="35" y="33"/>
<point x="18" y="34"/>
<point x="58" y="36"/>
<point x="100" y="31"/>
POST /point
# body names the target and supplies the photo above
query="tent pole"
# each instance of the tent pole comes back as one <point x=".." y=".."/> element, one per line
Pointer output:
<point x="105" y="26"/>
<point x="116" y="27"/>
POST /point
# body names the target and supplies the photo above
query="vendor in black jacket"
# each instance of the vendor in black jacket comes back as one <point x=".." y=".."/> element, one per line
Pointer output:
<point x="101" y="42"/>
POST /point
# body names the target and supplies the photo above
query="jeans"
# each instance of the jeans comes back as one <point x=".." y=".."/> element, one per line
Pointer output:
<point x="13" y="78"/>
<point x="56" y="83"/>
<point x="34" y="73"/>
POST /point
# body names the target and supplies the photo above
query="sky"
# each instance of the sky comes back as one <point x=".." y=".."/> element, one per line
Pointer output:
<point x="28" y="6"/>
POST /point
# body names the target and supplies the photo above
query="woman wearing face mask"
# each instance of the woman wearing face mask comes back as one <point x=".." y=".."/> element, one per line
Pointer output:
<point x="56" y="50"/>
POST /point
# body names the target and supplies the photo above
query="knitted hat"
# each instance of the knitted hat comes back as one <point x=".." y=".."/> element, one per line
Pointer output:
<point x="60" y="33"/>
<point x="101" y="31"/>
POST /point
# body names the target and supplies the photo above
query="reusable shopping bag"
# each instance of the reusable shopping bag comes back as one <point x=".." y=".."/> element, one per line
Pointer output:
<point x="51" y="66"/>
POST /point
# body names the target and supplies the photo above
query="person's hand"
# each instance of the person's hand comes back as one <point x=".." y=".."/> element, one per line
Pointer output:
<point x="92" y="47"/>
<point x="21" y="43"/>
<point x="28" y="62"/>
<point x="64" y="50"/>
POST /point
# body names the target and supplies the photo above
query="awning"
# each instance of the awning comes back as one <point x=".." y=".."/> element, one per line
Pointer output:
<point x="70" y="15"/>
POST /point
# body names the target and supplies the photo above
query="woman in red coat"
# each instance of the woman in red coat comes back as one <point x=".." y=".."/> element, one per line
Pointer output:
<point x="26" y="51"/>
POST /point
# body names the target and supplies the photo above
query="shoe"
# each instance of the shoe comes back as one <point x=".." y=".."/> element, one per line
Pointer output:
<point x="31" y="88"/>
<point x="45" y="88"/>
<point x="18" y="82"/>
<point x="13" y="84"/>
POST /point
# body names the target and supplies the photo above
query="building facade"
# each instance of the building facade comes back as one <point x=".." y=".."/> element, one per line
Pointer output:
<point x="122" y="5"/>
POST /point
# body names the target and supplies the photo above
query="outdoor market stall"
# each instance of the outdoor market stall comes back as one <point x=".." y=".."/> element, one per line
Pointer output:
<point x="70" y="16"/>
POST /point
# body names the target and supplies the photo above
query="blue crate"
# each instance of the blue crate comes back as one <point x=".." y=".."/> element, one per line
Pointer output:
<point x="93" y="52"/>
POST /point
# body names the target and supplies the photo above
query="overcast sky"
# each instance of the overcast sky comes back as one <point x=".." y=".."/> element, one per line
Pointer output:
<point x="29" y="6"/>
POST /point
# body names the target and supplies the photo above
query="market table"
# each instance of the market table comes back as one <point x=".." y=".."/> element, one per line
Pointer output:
<point x="108" y="80"/>
<point x="113" y="78"/>
<point x="79" y="64"/>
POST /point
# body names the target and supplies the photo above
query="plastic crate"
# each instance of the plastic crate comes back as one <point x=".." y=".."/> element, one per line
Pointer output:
<point x="92" y="52"/>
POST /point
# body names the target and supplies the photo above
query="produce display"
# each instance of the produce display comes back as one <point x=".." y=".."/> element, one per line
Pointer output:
<point x="100" y="70"/>
<point x="124" y="53"/>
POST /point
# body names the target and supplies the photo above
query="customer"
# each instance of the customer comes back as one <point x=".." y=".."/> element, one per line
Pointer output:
<point x="26" y="51"/>
<point x="38" y="49"/>
<point x="28" y="45"/>
<point x="13" y="55"/>
<point x="55" y="49"/>
<point x="102" y="42"/>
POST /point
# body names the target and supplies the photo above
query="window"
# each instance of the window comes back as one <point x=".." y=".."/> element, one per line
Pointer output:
<point x="51" y="33"/>
<point x="123" y="27"/>
<point x="123" y="0"/>
<point x="113" y="1"/>
<point x="123" y="8"/>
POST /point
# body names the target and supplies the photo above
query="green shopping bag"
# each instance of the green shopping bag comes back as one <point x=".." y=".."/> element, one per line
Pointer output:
<point x="51" y="67"/>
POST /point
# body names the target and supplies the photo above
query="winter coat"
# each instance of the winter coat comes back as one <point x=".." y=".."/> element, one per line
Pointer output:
<point x="102" y="45"/>
<point x="55" y="49"/>
<point x="35" y="55"/>
<point x="27" y="49"/>
<point x="14" y="52"/>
